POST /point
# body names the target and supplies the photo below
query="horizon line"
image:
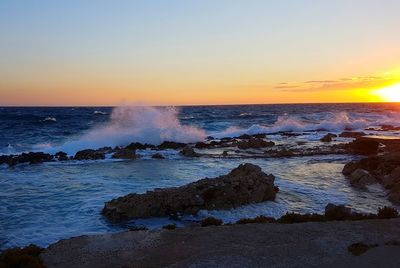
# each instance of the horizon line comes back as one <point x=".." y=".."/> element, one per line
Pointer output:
<point x="194" y="105"/>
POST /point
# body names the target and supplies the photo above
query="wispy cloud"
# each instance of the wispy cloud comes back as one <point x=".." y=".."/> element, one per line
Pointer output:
<point x="367" y="82"/>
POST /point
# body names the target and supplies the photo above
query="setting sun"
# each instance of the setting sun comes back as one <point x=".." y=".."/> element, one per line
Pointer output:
<point x="390" y="94"/>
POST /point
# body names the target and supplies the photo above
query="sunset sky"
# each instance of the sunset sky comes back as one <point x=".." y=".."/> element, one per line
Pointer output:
<point x="198" y="52"/>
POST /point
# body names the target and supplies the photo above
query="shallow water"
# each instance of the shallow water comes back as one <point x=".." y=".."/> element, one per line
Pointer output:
<point x="44" y="203"/>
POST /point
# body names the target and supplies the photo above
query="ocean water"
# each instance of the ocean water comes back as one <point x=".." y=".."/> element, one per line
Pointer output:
<point x="47" y="202"/>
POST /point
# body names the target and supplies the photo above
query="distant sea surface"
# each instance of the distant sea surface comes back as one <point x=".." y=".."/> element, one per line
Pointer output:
<point x="44" y="203"/>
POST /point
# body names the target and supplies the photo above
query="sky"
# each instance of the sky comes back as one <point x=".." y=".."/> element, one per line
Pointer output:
<point x="168" y="52"/>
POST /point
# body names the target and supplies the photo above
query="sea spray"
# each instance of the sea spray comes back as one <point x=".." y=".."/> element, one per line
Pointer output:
<point x="143" y="124"/>
<point x="334" y="122"/>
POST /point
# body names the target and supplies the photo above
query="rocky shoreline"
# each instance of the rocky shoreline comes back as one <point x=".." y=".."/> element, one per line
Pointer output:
<point x="313" y="244"/>
<point x="244" y="146"/>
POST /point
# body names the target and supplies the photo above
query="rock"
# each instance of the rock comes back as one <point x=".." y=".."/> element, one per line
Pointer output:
<point x="224" y="192"/>
<point x="337" y="212"/>
<point x="225" y="153"/>
<point x="254" y="143"/>
<point x="394" y="196"/>
<point x="139" y="146"/>
<point x="189" y="152"/>
<point x="157" y="156"/>
<point x="61" y="156"/>
<point x="31" y="158"/>
<point x="350" y="167"/>
<point x="393" y="178"/>
<point x="202" y="145"/>
<point x="125" y="154"/>
<point x="361" y="177"/>
<point x="171" y="145"/>
<point x="348" y="134"/>
<point x="89" y="154"/>
<point x="328" y="137"/>
<point x="363" y="147"/>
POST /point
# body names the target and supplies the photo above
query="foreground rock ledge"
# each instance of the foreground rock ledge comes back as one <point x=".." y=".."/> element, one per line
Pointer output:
<point x="313" y="244"/>
<point x="243" y="185"/>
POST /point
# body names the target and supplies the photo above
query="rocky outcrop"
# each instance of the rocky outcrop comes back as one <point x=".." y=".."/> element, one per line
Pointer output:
<point x="171" y="145"/>
<point x="254" y="143"/>
<point x="384" y="169"/>
<point x="89" y="154"/>
<point x="328" y="137"/>
<point x="349" y="134"/>
<point x="361" y="177"/>
<point x="125" y="154"/>
<point x="243" y="185"/>
<point x="189" y="152"/>
<point x="31" y="158"/>
<point x="139" y="146"/>
<point x="363" y="147"/>
<point x="61" y="156"/>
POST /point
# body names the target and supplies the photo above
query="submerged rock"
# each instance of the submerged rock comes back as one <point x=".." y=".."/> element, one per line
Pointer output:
<point x="89" y="154"/>
<point x="158" y="156"/>
<point x="243" y="185"/>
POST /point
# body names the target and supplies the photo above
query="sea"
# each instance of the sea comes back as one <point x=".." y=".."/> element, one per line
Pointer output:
<point x="43" y="203"/>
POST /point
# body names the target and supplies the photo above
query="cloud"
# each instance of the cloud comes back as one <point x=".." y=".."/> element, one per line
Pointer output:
<point x="366" y="82"/>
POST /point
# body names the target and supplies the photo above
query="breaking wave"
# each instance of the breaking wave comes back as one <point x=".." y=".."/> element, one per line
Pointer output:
<point x="332" y="122"/>
<point x="136" y="124"/>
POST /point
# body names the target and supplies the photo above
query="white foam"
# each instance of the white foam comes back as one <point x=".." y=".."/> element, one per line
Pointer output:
<point x="135" y="124"/>
<point x="333" y="122"/>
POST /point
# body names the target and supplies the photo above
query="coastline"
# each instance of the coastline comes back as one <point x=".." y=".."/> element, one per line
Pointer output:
<point x="322" y="244"/>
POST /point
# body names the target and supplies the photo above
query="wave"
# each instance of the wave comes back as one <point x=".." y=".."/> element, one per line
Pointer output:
<point x="99" y="113"/>
<point x="50" y="119"/>
<point x="332" y="122"/>
<point x="135" y="124"/>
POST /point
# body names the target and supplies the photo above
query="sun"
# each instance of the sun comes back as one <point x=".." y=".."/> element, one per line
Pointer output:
<point x="390" y="94"/>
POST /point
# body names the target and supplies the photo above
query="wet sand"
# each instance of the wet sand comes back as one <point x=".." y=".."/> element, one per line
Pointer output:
<point x="312" y="244"/>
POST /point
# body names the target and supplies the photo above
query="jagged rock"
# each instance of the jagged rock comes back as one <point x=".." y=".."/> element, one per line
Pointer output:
<point x="361" y="177"/>
<point x="189" y="152"/>
<point x="328" y="137"/>
<point x="31" y="158"/>
<point x="157" y="156"/>
<point x="139" y="146"/>
<point x="125" y="154"/>
<point x="363" y="147"/>
<point x="61" y="156"/>
<point x="243" y="185"/>
<point x="254" y="143"/>
<point x="89" y="154"/>
<point x="385" y="169"/>
<point x="394" y="195"/>
<point x="349" y="134"/>
<point x="171" y="145"/>
<point x="202" y="145"/>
